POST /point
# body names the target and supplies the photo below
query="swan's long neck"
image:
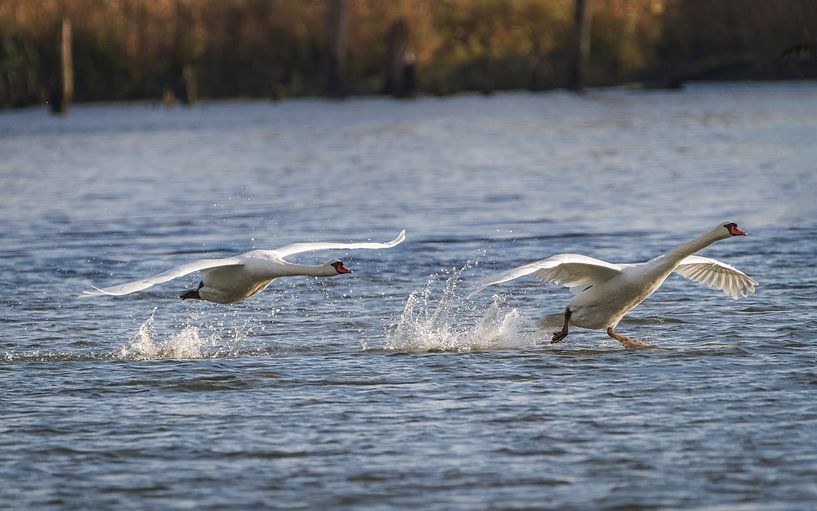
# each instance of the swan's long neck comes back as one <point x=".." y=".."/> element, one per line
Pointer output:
<point x="309" y="270"/>
<point x="675" y="256"/>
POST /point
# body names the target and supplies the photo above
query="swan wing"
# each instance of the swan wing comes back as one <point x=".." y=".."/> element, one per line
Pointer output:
<point x="297" y="248"/>
<point x="569" y="270"/>
<point x="138" y="285"/>
<point x="716" y="275"/>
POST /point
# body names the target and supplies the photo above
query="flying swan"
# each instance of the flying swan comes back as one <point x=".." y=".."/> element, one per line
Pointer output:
<point x="605" y="292"/>
<point x="234" y="279"/>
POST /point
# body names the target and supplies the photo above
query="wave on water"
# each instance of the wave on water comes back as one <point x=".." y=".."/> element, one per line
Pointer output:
<point x="188" y="343"/>
<point x="448" y="323"/>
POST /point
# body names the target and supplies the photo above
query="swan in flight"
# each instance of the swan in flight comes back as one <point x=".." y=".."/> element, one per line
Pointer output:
<point x="605" y="292"/>
<point x="234" y="279"/>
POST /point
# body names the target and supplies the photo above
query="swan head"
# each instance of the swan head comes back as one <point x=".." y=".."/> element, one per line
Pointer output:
<point x="733" y="230"/>
<point x="338" y="267"/>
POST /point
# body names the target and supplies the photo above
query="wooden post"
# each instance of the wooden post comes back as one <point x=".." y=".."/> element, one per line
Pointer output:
<point x="400" y="80"/>
<point x="183" y="83"/>
<point x="337" y="28"/>
<point x="191" y="84"/>
<point x="581" y="44"/>
<point x="62" y="92"/>
<point x="143" y="21"/>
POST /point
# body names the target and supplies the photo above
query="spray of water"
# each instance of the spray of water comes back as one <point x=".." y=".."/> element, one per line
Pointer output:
<point x="448" y="323"/>
<point x="189" y="342"/>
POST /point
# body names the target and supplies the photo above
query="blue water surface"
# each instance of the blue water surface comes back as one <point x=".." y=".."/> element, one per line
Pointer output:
<point x="388" y="388"/>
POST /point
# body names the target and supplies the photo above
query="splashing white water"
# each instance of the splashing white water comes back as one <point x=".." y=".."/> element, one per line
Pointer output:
<point x="188" y="343"/>
<point x="426" y="325"/>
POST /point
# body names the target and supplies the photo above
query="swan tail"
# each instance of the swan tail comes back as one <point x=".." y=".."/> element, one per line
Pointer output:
<point x="552" y="321"/>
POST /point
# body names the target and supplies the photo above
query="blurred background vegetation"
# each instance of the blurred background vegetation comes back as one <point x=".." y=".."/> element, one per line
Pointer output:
<point x="135" y="49"/>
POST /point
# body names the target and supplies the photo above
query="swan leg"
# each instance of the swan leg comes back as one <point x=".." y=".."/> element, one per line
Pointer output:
<point x="628" y="342"/>
<point x="561" y="334"/>
<point x="193" y="293"/>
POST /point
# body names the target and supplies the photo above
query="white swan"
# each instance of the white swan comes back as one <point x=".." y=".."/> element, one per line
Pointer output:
<point x="234" y="279"/>
<point x="605" y="292"/>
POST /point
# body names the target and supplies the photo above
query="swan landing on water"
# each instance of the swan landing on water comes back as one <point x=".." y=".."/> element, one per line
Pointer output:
<point x="605" y="292"/>
<point x="234" y="279"/>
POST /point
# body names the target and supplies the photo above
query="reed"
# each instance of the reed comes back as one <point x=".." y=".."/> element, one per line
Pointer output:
<point x="129" y="49"/>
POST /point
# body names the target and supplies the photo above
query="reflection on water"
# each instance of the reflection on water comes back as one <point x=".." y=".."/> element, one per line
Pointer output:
<point x="387" y="387"/>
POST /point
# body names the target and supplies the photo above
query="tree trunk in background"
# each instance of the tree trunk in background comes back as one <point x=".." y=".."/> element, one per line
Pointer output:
<point x="191" y="84"/>
<point x="581" y="44"/>
<point x="337" y="29"/>
<point x="62" y="92"/>
<point x="400" y="79"/>
<point x="143" y="86"/>
<point x="183" y="83"/>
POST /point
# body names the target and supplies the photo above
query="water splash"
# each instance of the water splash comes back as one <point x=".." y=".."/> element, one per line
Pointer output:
<point x="190" y="342"/>
<point x="442" y="324"/>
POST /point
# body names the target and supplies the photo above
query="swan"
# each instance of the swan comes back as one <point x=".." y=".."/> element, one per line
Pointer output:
<point x="234" y="279"/>
<point x="605" y="292"/>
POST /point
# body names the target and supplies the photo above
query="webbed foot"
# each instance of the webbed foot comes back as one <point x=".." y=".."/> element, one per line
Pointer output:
<point x="561" y="334"/>
<point x="628" y="342"/>
<point x="193" y="293"/>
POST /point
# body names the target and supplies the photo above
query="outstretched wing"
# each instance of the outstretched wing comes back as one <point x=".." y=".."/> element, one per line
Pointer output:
<point x="570" y="270"/>
<point x="297" y="248"/>
<point x="716" y="275"/>
<point x="138" y="285"/>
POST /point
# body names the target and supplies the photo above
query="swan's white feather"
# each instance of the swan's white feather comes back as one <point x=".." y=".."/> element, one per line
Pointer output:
<point x="716" y="275"/>
<point x="297" y="248"/>
<point x="179" y="271"/>
<point x="570" y="270"/>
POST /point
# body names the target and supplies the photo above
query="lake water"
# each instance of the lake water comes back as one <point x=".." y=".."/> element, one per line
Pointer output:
<point x="387" y="388"/>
